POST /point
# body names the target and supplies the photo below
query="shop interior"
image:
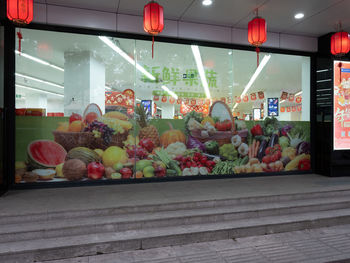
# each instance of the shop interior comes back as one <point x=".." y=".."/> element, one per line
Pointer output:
<point x="62" y="73"/>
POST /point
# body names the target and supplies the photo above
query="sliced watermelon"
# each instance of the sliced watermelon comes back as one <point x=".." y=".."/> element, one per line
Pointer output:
<point x="45" y="154"/>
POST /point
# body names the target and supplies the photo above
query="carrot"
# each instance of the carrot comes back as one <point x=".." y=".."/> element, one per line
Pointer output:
<point x="253" y="148"/>
<point x="256" y="148"/>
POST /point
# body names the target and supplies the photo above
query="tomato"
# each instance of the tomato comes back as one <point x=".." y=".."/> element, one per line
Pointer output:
<point x="274" y="157"/>
<point x="228" y="125"/>
<point x="266" y="159"/>
<point x="220" y="126"/>
<point x="268" y="150"/>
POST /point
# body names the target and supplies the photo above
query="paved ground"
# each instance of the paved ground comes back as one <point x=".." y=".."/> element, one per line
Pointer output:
<point x="75" y="198"/>
<point x="310" y="246"/>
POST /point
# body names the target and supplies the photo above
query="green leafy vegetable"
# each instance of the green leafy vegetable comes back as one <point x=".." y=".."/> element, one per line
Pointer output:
<point x="271" y="126"/>
<point x="228" y="151"/>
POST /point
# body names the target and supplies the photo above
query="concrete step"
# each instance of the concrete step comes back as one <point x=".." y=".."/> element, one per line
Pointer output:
<point x="118" y="210"/>
<point x="138" y="221"/>
<point x="92" y="244"/>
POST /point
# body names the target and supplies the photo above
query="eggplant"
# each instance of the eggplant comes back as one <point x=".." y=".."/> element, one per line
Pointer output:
<point x="273" y="140"/>
<point x="261" y="151"/>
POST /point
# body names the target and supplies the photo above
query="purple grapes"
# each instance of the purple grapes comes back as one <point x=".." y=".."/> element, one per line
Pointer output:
<point x="106" y="132"/>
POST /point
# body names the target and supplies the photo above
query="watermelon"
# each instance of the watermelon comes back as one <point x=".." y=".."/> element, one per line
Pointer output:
<point x="45" y="154"/>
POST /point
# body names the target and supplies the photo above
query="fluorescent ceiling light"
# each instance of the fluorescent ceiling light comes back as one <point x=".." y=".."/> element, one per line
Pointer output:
<point x="109" y="43"/>
<point x="323" y="80"/>
<point x="299" y="93"/>
<point x="138" y="99"/>
<point x="322" y="70"/>
<point x="39" y="90"/>
<point x="108" y="88"/>
<point x="38" y="60"/>
<point x="207" y="2"/>
<point x="169" y="91"/>
<point x="299" y="16"/>
<point x="39" y="80"/>
<point x="255" y="75"/>
<point x="282" y="101"/>
<point x="197" y="57"/>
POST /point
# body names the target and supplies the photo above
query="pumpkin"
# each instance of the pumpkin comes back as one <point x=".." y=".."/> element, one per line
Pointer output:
<point x="172" y="136"/>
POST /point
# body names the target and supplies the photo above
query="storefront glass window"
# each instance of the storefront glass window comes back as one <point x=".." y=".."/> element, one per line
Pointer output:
<point x="96" y="107"/>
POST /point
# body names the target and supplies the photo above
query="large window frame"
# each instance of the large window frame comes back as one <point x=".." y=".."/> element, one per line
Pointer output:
<point x="9" y="83"/>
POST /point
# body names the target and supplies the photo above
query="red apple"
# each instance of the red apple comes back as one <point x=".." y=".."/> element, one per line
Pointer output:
<point x="90" y="117"/>
<point x="126" y="173"/>
<point x="95" y="170"/>
<point x="75" y="117"/>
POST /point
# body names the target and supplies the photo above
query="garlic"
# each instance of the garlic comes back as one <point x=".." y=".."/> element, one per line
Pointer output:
<point x="236" y="140"/>
<point x="243" y="149"/>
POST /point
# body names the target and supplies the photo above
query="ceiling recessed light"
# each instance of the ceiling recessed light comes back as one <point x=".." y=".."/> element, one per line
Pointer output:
<point x="299" y="16"/>
<point x="207" y="2"/>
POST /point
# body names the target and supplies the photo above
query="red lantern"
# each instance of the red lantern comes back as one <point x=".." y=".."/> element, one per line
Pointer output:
<point x="20" y="11"/>
<point x="257" y="33"/>
<point x="153" y="19"/>
<point x="340" y="43"/>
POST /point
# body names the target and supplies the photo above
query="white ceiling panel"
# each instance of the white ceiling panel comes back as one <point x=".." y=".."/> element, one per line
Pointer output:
<point x="100" y="5"/>
<point x="324" y="22"/>
<point x="221" y="12"/>
<point x="173" y="9"/>
<point x="280" y="14"/>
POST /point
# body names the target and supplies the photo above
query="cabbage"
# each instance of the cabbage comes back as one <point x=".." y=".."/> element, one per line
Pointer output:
<point x="283" y="141"/>
<point x="193" y="143"/>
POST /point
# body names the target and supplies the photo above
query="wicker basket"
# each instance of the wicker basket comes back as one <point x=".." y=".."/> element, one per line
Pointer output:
<point x="222" y="137"/>
<point x="70" y="140"/>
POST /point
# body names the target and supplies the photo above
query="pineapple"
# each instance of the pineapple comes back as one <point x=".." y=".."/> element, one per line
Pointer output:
<point x="147" y="130"/>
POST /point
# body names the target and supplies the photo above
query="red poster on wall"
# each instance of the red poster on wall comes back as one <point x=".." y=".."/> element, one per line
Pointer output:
<point x="294" y="108"/>
<point x="156" y="98"/>
<point x="245" y="98"/>
<point x="288" y="109"/>
<point x="299" y="108"/>
<point x="261" y="95"/>
<point x="341" y="102"/>
<point x="291" y="97"/>
<point x="283" y="109"/>
<point x="171" y="100"/>
<point x="193" y="102"/>
<point x="186" y="101"/>
<point x="200" y="102"/>
<point x="238" y="99"/>
<point x="298" y="99"/>
<point x="116" y="98"/>
<point x="179" y="101"/>
<point x="253" y="96"/>
<point x="164" y="99"/>
<point x="284" y="95"/>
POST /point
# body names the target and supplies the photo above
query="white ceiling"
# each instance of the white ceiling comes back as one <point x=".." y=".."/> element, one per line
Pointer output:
<point x="320" y="15"/>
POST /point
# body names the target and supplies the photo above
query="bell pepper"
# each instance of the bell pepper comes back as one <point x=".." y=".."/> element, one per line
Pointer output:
<point x="304" y="165"/>
<point x="147" y="144"/>
<point x="256" y="130"/>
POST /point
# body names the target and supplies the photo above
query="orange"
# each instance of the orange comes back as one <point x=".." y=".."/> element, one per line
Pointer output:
<point x="76" y="126"/>
<point x="63" y="127"/>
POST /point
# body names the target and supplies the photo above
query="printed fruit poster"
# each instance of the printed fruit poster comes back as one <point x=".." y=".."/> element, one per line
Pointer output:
<point x="341" y="104"/>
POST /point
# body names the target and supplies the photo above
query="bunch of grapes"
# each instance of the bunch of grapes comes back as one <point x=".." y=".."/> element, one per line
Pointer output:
<point x="100" y="130"/>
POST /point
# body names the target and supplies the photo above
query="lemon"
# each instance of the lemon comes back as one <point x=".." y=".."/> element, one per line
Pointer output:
<point x="59" y="172"/>
<point x="112" y="155"/>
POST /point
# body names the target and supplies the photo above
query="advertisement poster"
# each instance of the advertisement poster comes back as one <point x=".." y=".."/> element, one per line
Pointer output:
<point x="272" y="106"/>
<point x="147" y="104"/>
<point x="341" y="102"/>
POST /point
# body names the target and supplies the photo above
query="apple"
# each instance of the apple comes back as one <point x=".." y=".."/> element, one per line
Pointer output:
<point x="75" y="117"/>
<point x="95" y="170"/>
<point x="126" y="173"/>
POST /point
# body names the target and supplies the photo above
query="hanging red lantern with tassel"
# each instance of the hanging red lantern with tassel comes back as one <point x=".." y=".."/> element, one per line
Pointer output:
<point x="153" y="19"/>
<point x="20" y="11"/>
<point x="257" y="33"/>
<point x="340" y="43"/>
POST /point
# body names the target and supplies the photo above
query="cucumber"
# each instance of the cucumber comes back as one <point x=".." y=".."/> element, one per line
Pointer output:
<point x="171" y="172"/>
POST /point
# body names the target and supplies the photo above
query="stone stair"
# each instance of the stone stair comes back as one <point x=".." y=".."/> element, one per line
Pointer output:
<point x="59" y="235"/>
